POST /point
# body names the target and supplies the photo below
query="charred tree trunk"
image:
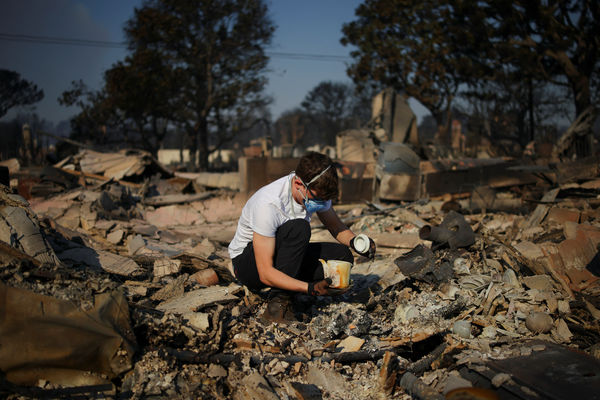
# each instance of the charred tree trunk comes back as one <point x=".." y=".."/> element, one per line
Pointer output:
<point x="530" y="109"/>
<point x="443" y="131"/>
<point x="584" y="142"/>
<point x="203" y="145"/>
<point x="192" y="145"/>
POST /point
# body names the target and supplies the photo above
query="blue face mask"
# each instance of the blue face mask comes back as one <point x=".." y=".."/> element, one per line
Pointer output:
<point x="314" y="205"/>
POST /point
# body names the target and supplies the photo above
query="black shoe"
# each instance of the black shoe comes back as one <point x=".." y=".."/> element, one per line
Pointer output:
<point x="279" y="309"/>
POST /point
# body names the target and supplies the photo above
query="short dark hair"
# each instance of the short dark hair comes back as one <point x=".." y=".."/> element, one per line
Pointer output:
<point x="311" y="165"/>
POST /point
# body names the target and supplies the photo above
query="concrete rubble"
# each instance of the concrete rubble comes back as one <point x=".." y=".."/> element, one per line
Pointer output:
<point x="461" y="300"/>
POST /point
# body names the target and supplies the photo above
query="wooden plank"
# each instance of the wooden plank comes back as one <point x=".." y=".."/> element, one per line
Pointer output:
<point x="388" y="374"/>
<point x="541" y="210"/>
<point x="191" y="301"/>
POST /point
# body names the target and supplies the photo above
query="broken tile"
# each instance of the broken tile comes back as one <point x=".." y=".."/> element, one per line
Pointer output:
<point x="70" y="219"/>
<point x="87" y="217"/>
<point x="529" y="250"/>
<point x="255" y="387"/>
<point x="204" y="249"/>
<point x="173" y="289"/>
<point x="542" y="283"/>
<point x="198" y="320"/>
<point x="562" y="215"/>
<point x="109" y="262"/>
<point x="216" y="371"/>
<point x="326" y="379"/>
<point x="115" y="236"/>
<point x="562" y="332"/>
<point x="351" y="343"/>
<point x="166" y="266"/>
<point x="135" y="243"/>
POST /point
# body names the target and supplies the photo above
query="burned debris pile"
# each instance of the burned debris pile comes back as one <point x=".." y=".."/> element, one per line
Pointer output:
<point x="119" y="285"/>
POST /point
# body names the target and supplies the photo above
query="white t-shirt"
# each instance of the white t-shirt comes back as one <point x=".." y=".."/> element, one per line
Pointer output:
<point x="269" y="208"/>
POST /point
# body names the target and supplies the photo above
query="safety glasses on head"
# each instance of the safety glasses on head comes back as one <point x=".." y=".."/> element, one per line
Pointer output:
<point x="313" y="180"/>
<point x="315" y="204"/>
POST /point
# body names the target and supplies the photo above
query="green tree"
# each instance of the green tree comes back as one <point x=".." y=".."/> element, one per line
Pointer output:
<point x="335" y="106"/>
<point x="507" y="53"/>
<point x="215" y="51"/>
<point x="16" y="91"/>
<point x="89" y="125"/>
<point x="329" y="104"/>
<point x="296" y="127"/>
<point x="134" y="107"/>
<point x="402" y="44"/>
<point x="141" y="93"/>
<point x="509" y="107"/>
<point x="548" y="41"/>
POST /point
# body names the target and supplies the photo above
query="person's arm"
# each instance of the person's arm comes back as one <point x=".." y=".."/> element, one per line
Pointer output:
<point x="342" y="233"/>
<point x="264" y="250"/>
<point x="336" y="227"/>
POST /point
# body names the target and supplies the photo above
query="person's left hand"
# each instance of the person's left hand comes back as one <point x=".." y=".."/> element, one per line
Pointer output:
<point x="369" y="253"/>
<point x="338" y="292"/>
<point x="319" y="288"/>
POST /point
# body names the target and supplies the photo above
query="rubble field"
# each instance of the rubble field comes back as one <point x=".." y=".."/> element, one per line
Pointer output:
<point x="117" y="289"/>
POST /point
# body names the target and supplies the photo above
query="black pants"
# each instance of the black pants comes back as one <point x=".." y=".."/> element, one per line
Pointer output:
<point x="294" y="255"/>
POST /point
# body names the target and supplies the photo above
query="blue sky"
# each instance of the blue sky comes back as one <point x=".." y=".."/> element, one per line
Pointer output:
<point x="308" y="26"/>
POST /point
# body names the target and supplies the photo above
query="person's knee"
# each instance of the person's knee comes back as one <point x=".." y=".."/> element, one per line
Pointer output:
<point x="295" y="229"/>
<point x="336" y="251"/>
<point x="347" y="254"/>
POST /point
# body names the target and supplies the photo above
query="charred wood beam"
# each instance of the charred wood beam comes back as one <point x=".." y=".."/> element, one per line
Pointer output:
<point x="9" y="253"/>
<point x="225" y="359"/>
<point x="192" y="357"/>
<point x="101" y="178"/>
<point x="418" y="367"/>
<point x="416" y="388"/>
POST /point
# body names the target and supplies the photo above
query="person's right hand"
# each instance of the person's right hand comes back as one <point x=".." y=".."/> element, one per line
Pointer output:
<point x="369" y="253"/>
<point x="319" y="288"/>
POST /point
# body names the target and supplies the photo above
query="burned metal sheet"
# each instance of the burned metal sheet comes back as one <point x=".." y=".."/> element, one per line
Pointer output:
<point x="46" y="338"/>
<point x="556" y="373"/>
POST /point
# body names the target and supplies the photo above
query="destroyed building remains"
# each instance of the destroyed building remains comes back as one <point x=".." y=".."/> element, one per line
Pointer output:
<point x="116" y="284"/>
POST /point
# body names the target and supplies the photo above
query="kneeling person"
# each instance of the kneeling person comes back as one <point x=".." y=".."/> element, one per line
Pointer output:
<point x="271" y="245"/>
